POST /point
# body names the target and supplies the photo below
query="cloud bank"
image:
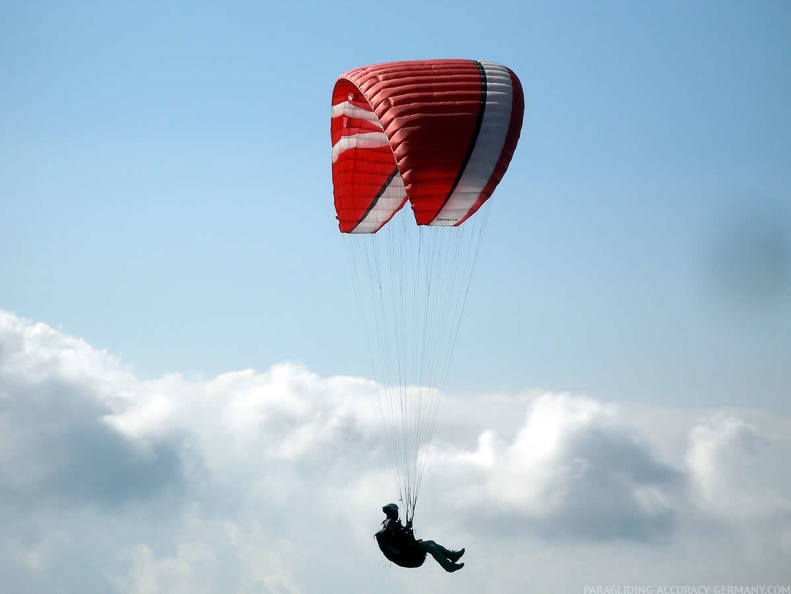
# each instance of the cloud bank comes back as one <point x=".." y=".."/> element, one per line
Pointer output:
<point x="271" y="482"/>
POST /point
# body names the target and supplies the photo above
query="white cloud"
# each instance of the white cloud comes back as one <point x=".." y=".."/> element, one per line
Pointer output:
<point x="271" y="482"/>
<point x="572" y="469"/>
<point x="726" y="491"/>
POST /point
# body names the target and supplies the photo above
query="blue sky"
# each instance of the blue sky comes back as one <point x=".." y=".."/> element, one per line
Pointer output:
<point x="165" y="175"/>
<point x="165" y="196"/>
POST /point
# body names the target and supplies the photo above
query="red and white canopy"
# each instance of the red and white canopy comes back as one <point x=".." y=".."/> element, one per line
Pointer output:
<point x="439" y="133"/>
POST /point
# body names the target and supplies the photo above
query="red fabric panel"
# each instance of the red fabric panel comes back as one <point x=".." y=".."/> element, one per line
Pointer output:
<point x="358" y="175"/>
<point x="428" y="110"/>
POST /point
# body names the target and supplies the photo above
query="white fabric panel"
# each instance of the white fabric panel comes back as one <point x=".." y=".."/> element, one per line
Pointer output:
<point x="359" y="141"/>
<point x="488" y="147"/>
<point x="392" y="199"/>
<point x="353" y="111"/>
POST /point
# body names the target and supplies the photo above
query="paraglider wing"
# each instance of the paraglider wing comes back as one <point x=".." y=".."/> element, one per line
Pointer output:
<point x="443" y="130"/>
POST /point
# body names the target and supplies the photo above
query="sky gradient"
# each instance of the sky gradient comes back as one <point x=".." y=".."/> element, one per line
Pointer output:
<point x="176" y="307"/>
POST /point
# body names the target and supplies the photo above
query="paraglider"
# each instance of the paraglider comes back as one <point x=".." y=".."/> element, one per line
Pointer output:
<point x="440" y="135"/>
<point x="398" y="543"/>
